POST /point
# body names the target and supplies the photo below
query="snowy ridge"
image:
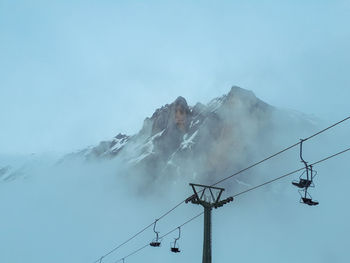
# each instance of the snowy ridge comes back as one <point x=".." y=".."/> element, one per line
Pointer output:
<point x="118" y="143"/>
<point x="146" y="149"/>
<point x="194" y="123"/>
<point x="188" y="142"/>
<point x="215" y="104"/>
<point x="178" y="137"/>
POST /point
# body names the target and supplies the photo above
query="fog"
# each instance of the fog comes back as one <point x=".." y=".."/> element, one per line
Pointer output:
<point x="75" y="74"/>
<point x="78" y="211"/>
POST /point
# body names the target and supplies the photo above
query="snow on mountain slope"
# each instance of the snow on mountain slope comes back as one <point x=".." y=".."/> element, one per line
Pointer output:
<point x="203" y="142"/>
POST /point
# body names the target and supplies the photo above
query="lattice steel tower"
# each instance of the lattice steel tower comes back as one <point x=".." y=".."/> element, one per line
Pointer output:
<point x="208" y="202"/>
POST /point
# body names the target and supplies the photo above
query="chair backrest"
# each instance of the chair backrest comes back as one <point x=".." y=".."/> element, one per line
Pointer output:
<point x="305" y="183"/>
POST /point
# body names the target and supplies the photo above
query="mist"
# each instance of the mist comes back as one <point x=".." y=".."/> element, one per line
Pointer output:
<point x="73" y="75"/>
<point x="77" y="211"/>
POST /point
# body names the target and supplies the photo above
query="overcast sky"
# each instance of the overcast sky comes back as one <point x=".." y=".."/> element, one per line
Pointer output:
<point x="73" y="73"/>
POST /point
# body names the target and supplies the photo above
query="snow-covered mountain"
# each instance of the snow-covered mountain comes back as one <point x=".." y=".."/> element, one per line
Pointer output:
<point x="200" y="142"/>
<point x="15" y="167"/>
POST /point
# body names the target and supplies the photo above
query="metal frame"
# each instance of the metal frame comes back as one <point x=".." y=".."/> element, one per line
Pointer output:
<point x="155" y="242"/>
<point x="207" y="205"/>
<point x="305" y="184"/>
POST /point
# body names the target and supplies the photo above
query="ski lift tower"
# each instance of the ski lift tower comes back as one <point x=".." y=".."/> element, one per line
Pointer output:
<point x="212" y="199"/>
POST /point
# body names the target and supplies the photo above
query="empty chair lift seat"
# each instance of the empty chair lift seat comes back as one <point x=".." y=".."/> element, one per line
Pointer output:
<point x="175" y="249"/>
<point x="302" y="183"/>
<point x="309" y="201"/>
<point x="155" y="244"/>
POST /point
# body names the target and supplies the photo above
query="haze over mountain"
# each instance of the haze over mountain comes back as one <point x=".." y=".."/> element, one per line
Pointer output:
<point x="185" y="143"/>
<point x="99" y="196"/>
<point x="95" y="142"/>
<point x="200" y="142"/>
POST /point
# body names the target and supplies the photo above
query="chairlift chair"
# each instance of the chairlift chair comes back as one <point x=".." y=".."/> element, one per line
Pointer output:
<point x="175" y="248"/>
<point x="304" y="183"/>
<point x="306" y="198"/>
<point x="156" y="241"/>
<point x="309" y="201"/>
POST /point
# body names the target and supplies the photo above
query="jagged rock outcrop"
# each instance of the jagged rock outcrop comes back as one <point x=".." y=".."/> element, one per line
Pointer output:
<point x="179" y="139"/>
<point x="202" y="142"/>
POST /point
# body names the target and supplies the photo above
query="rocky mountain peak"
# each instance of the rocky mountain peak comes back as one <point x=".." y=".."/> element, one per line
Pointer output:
<point x="205" y="140"/>
<point x="240" y="101"/>
<point x="239" y="92"/>
<point x="171" y="116"/>
<point x="239" y="96"/>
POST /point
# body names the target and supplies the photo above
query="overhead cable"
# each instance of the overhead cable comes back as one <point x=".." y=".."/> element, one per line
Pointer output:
<point x="240" y="193"/>
<point x="282" y="151"/>
<point x="295" y="171"/>
<point x="168" y="233"/>
<point x="220" y="181"/>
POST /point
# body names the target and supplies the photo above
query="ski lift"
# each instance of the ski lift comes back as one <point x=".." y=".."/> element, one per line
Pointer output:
<point x="156" y="241"/>
<point x="175" y="248"/>
<point x="305" y="183"/>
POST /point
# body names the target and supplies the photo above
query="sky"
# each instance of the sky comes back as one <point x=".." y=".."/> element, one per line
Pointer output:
<point x="73" y="73"/>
